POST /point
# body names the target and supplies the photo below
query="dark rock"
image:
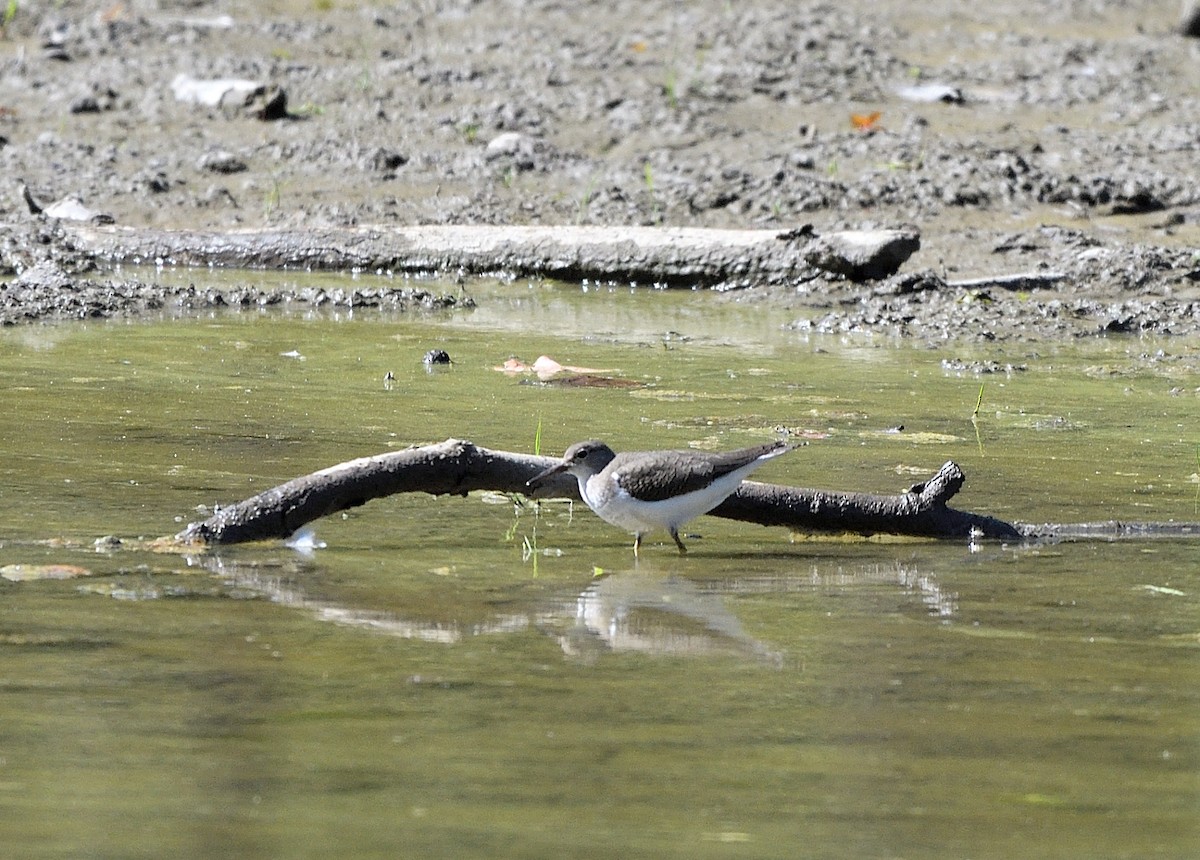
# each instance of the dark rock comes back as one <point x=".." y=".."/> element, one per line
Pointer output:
<point x="1190" y="23"/>
<point x="1138" y="202"/>
<point x="385" y="160"/>
<point x="273" y="105"/>
<point x="99" y="100"/>
<point x="156" y="182"/>
<point x="86" y="104"/>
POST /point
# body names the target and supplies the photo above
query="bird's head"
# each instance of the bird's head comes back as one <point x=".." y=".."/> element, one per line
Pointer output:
<point x="583" y="459"/>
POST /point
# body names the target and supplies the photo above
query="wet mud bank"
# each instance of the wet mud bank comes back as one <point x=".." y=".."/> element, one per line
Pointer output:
<point x="1044" y="156"/>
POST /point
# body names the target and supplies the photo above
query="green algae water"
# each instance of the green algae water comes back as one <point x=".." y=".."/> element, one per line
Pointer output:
<point x="479" y="678"/>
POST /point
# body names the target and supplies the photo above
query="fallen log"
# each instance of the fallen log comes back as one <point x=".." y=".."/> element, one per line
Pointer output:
<point x="456" y="467"/>
<point x="667" y="256"/>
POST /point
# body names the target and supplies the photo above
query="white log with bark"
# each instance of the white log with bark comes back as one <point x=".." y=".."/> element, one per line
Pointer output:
<point x="684" y="256"/>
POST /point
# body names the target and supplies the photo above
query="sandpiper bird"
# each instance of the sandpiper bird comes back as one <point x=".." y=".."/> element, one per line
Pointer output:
<point x="644" y="490"/>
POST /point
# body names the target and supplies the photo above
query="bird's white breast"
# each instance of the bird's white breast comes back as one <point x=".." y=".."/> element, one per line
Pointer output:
<point x="615" y="505"/>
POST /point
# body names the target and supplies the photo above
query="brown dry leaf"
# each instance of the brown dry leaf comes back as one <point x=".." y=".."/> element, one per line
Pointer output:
<point x="866" y="122"/>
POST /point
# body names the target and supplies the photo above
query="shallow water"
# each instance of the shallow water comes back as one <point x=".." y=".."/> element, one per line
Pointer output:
<point x="462" y="677"/>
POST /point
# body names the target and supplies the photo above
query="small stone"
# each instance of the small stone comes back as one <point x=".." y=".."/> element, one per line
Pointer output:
<point x="518" y="148"/>
<point x="156" y="182"/>
<point x="931" y="93"/>
<point x="86" y="104"/>
<point x="273" y="105"/>
<point x="214" y="92"/>
<point x="221" y="161"/>
<point x="100" y="99"/>
<point x="71" y="208"/>
<point x="1189" y="23"/>
<point x="387" y="160"/>
<point x="508" y="143"/>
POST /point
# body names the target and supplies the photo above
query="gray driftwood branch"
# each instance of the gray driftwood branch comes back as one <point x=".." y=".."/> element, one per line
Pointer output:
<point x="456" y="467"/>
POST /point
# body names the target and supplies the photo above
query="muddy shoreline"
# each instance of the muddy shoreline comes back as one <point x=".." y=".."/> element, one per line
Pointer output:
<point x="1022" y="140"/>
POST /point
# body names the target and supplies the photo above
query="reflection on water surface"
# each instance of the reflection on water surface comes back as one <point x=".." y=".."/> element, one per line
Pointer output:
<point x="419" y="687"/>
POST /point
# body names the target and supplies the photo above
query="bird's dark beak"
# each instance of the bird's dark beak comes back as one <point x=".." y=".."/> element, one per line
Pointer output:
<point x="541" y="476"/>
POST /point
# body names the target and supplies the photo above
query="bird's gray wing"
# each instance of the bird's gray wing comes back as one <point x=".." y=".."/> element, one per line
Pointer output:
<point x="655" y="476"/>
